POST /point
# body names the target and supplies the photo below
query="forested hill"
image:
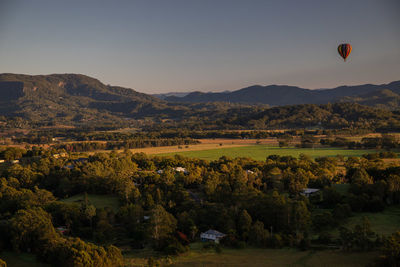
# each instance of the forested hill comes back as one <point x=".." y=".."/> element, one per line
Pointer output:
<point x="278" y="95"/>
<point x="70" y="97"/>
<point x="74" y="99"/>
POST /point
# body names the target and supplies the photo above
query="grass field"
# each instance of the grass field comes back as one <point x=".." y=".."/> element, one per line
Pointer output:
<point x="259" y="257"/>
<point x="274" y="257"/>
<point x="385" y="223"/>
<point x="99" y="201"/>
<point x="14" y="259"/>
<point x="260" y="152"/>
<point x="382" y="223"/>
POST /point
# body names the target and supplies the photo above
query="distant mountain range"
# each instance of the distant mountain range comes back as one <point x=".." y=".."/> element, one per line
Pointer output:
<point x="165" y="95"/>
<point x="80" y="100"/>
<point x="279" y="95"/>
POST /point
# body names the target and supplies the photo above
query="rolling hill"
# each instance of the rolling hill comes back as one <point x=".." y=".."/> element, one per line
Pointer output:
<point x="71" y="97"/>
<point x="75" y="99"/>
<point x="279" y="95"/>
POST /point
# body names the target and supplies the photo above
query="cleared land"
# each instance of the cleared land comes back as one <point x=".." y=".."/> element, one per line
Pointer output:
<point x="99" y="201"/>
<point x="382" y="223"/>
<point x="258" y="257"/>
<point x="260" y="152"/>
<point x="21" y="259"/>
<point x="274" y="257"/>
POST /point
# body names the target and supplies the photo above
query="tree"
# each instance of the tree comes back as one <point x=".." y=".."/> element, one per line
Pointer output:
<point x="361" y="177"/>
<point x="391" y="250"/>
<point x="244" y="224"/>
<point x="162" y="224"/>
<point x="31" y="228"/>
<point x="132" y="216"/>
<point x="258" y="236"/>
<point x="88" y="211"/>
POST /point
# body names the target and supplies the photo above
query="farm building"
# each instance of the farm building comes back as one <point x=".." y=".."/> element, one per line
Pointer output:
<point x="212" y="235"/>
<point x="181" y="169"/>
<point x="309" y="191"/>
<point x="62" y="229"/>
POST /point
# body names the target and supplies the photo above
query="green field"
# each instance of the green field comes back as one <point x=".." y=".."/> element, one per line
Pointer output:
<point x="383" y="223"/>
<point x="99" y="201"/>
<point x="21" y="259"/>
<point x="274" y="257"/>
<point x="197" y="256"/>
<point x="260" y="152"/>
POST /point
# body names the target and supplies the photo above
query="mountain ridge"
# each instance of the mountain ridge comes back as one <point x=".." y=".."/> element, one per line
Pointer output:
<point x="278" y="95"/>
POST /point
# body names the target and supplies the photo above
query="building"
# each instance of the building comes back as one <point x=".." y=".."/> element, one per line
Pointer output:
<point x="309" y="191"/>
<point x="181" y="169"/>
<point x="212" y="235"/>
<point x="62" y="229"/>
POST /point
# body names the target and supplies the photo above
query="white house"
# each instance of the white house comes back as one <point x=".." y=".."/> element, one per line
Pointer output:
<point x="309" y="191"/>
<point x="181" y="169"/>
<point x="212" y="235"/>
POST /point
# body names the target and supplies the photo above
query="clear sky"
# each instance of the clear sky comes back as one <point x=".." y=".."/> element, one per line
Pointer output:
<point x="208" y="45"/>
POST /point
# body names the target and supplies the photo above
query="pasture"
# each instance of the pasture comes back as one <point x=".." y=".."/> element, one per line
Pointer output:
<point x="21" y="259"/>
<point x="383" y="223"/>
<point x="260" y="152"/>
<point x="99" y="201"/>
<point x="197" y="256"/>
<point x="274" y="257"/>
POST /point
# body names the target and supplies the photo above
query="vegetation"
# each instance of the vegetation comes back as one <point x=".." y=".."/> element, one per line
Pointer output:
<point x="260" y="152"/>
<point x="323" y="190"/>
<point x="78" y="100"/>
<point x="164" y="203"/>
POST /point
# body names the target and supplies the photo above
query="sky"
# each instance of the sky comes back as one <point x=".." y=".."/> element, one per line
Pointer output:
<point x="209" y="45"/>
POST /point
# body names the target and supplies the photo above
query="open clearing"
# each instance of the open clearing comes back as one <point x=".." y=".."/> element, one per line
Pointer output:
<point x="383" y="223"/>
<point x="260" y="152"/>
<point x="205" y="144"/>
<point x="20" y="259"/>
<point x="274" y="257"/>
<point x="99" y="201"/>
<point x="258" y="257"/>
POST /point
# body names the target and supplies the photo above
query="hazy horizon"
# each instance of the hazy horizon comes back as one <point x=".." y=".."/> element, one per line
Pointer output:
<point x="182" y="46"/>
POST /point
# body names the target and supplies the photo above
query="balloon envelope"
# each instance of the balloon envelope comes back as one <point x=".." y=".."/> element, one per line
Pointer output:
<point x="344" y="50"/>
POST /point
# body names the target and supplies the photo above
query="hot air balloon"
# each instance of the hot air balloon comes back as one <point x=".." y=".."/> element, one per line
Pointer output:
<point x="344" y="50"/>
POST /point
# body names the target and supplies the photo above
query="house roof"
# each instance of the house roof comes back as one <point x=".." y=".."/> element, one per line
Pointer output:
<point x="214" y="232"/>
<point x="310" y="190"/>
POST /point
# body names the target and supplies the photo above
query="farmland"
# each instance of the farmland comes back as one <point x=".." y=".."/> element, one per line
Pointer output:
<point x="260" y="152"/>
<point x="21" y="259"/>
<point x="197" y="256"/>
<point x="99" y="201"/>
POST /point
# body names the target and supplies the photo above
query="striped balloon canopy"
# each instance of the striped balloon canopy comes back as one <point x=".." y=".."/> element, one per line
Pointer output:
<point x="344" y="50"/>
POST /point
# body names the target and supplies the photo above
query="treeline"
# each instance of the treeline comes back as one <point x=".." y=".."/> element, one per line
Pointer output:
<point x="387" y="141"/>
<point x="223" y="116"/>
<point x="128" y="144"/>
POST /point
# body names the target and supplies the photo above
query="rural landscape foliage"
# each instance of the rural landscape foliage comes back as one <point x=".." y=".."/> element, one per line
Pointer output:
<point x="76" y="190"/>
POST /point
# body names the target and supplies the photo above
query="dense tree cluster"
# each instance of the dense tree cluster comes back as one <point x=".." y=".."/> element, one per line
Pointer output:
<point x="387" y="141"/>
<point x="127" y="144"/>
<point x="253" y="202"/>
